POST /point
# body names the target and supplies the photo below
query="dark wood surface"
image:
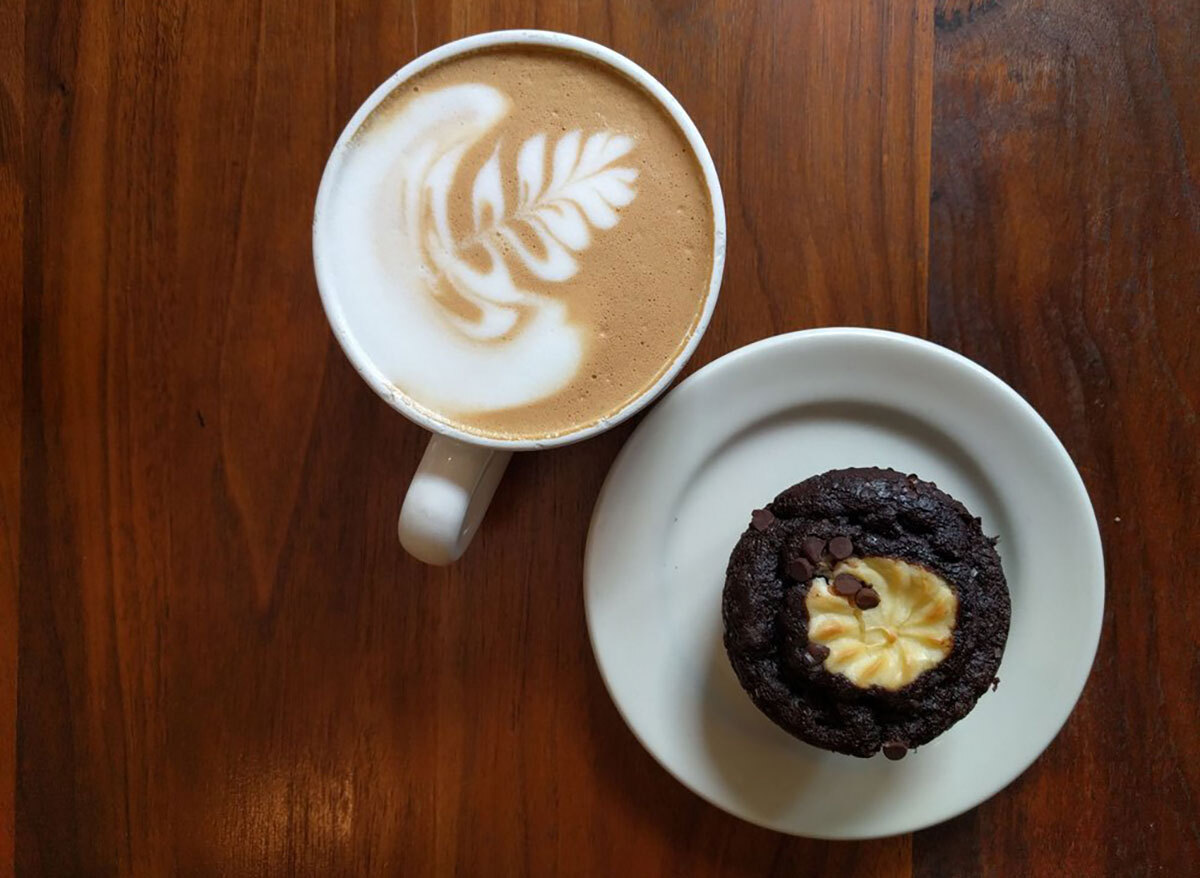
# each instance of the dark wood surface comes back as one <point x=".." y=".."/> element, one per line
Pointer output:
<point x="220" y="659"/>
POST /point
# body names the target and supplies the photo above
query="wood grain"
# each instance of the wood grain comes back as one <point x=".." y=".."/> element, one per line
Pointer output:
<point x="227" y="664"/>
<point x="1064" y="238"/>
<point x="12" y="226"/>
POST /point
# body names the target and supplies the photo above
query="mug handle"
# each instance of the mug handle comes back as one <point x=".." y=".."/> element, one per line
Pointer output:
<point x="449" y="494"/>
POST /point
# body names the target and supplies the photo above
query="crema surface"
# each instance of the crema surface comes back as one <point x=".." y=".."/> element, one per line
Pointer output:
<point x="521" y="240"/>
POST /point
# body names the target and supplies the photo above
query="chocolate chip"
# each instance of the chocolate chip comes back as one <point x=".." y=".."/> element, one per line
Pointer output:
<point x="813" y="548"/>
<point x="815" y="653"/>
<point x="995" y="683"/>
<point x="894" y="750"/>
<point x="866" y="597"/>
<point x="846" y="585"/>
<point x="841" y="548"/>
<point x="761" y="519"/>
<point x="800" y="570"/>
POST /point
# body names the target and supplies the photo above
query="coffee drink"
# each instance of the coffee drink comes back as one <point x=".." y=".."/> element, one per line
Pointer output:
<point x="521" y="240"/>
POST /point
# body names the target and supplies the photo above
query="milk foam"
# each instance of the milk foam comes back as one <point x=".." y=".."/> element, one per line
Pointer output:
<point x="450" y="316"/>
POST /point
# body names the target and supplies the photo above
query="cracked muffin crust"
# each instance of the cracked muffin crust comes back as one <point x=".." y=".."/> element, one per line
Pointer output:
<point x="865" y="610"/>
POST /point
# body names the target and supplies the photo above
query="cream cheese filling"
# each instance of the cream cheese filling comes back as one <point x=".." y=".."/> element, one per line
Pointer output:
<point x="889" y="645"/>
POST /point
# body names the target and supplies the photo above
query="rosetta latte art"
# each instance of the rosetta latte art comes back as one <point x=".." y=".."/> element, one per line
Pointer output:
<point x="481" y="327"/>
<point x="583" y="190"/>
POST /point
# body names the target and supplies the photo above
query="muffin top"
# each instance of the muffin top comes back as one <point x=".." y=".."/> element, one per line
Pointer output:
<point x="865" y="610"/>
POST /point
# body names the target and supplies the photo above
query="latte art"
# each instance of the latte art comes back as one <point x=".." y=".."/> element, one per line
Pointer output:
<point x="584" y="191"/>
<point x="477" y="236"/>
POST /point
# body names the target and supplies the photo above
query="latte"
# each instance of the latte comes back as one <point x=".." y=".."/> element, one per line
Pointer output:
<point x="521" y="240"/>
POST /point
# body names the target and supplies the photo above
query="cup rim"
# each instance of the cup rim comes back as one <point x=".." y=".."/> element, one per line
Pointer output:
<point x="553" y="39"/>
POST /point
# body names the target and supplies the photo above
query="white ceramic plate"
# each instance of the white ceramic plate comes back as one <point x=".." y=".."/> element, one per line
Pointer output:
<point x="726" y="441"/>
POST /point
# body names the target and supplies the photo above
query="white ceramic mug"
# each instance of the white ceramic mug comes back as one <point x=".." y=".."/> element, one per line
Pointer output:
<point x="459" y="472"/>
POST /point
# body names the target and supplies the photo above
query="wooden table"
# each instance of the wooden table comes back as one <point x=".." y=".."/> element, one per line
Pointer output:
<point x="214" y="657"/>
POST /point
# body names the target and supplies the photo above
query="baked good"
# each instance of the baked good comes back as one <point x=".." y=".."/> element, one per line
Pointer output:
<point x="865" y="610"/>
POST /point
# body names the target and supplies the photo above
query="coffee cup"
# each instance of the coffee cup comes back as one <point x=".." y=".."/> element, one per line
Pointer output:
<point x="519" y="240"/>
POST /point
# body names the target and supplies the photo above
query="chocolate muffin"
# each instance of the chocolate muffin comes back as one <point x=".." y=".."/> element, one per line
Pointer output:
<point x="865" y="610"/>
